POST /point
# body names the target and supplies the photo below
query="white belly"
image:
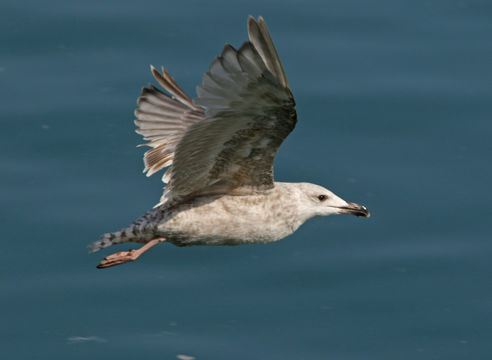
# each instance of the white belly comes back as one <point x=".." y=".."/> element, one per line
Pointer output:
<point x="227" y="220"/>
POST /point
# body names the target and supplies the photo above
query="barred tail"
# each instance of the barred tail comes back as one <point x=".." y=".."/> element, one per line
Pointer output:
<point x="109" y="239"/>
<point x="141" y="230"/>
<point x="133" y="233"/>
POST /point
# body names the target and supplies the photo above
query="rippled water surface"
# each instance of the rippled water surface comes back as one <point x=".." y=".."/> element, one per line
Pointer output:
<point x="394" y="104"/>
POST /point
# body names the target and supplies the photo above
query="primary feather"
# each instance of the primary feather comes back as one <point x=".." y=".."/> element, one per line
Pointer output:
<point x="163" y="120"/>
<point x="226" y="139"/>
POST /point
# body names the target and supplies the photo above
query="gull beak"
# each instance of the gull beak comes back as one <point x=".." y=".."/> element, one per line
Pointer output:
<point x="355" y="209"/>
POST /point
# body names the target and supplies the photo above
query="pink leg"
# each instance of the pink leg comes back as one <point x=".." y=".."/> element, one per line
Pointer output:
<point x="128" y="256"/>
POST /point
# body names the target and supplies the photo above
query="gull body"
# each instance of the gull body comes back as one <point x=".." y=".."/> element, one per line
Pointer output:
<point x="219" y="149"/>
<point x="241" y="219"/>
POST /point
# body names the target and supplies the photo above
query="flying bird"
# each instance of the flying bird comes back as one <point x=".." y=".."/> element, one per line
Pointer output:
<point x="219" y="149"/>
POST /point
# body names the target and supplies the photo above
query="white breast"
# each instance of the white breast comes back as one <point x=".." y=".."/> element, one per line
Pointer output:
<point x="230" y="220"/>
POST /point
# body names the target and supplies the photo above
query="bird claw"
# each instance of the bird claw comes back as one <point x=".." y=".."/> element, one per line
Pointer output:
<point x="118" y="258"/>
<point x="128" y="256"/>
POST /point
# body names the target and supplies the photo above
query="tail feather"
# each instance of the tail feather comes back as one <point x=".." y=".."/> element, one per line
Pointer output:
<point x="141" y="230"/>
<point x="109" y="239"/>
<point x="134" y="233"/>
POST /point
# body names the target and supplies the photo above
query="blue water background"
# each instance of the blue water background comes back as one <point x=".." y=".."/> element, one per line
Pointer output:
<point x="394" y="105"/>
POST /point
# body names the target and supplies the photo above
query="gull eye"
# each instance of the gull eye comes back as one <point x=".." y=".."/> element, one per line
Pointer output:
<point x="322" y="197"/>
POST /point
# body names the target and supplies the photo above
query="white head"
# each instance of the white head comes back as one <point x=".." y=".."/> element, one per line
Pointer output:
<point x="315" y="200"/>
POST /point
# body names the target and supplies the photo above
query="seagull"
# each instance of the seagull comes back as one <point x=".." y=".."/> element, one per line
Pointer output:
<point x="219" y="149"/>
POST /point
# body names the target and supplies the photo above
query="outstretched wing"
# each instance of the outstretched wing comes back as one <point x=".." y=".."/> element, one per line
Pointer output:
<point x="163" y="120"/>
<point x="249" y="111"/>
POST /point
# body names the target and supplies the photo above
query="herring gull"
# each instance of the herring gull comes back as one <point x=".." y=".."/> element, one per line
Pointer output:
<point x="219" y="149"/>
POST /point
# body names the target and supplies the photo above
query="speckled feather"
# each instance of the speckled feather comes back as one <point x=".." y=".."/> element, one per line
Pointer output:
<point x="259" y="217"/>
<point x="220" y="148"/>
<point x="224" y="141"/>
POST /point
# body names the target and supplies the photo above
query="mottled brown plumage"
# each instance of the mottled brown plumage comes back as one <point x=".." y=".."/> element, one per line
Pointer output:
<point x="220" y="149"/>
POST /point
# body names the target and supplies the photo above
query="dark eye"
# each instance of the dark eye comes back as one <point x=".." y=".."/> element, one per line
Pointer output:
<point x="322" y="197"/>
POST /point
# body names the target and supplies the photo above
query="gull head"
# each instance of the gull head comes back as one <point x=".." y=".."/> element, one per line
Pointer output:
<point x="315" y="200"/>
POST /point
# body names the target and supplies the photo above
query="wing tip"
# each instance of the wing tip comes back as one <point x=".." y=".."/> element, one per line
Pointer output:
<point x="259" y="35"/>
<point x="251" y="20"/>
